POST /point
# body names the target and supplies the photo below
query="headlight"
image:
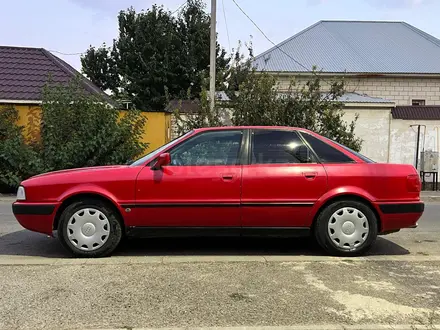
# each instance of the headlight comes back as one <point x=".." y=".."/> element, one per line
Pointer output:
<point x="21" y="194"/>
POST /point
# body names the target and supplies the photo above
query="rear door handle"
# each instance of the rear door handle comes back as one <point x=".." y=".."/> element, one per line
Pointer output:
<point x="310" y="175"/>
<point x="227" y="177"/>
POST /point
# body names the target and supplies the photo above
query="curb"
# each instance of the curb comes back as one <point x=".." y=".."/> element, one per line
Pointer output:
<point x="430" y="199"/>
<point x="8" y="260"/>
<point x="308" y="327"/>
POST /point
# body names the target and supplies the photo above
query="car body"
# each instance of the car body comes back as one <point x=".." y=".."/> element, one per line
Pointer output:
<point x="263" y="181"/>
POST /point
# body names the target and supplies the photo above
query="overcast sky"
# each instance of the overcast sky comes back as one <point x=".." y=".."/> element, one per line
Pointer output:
<point x="71" y="26"/>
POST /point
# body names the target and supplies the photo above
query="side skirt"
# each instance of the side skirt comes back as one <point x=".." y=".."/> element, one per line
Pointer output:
<point x="145" y="232"/>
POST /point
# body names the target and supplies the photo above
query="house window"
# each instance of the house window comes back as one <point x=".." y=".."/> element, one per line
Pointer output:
<point x="418" y="102"/>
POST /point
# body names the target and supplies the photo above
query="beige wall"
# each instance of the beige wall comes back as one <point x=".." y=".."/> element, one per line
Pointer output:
<point x="401" y="90"/>
<point x="403" y="139"/>
<point x="372" y="127"/>
<point x="376" y="127"/>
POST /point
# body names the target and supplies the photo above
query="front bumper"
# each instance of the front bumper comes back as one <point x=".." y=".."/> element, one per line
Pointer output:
<point x="37" y="217"/>
<point x="396" y="216"/>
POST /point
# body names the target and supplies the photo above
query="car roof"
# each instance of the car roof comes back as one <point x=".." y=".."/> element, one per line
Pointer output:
<point x="250" y="127"/>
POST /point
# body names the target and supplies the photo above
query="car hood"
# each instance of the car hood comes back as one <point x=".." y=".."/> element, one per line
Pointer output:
<point x="82" y="169"/>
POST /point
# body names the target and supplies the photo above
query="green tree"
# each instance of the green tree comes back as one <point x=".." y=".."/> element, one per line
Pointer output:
<point x="100" y="66"/>
<point x="261" y="101"/>
<point x="257" y="99"/>
<point x="155" y="54"/>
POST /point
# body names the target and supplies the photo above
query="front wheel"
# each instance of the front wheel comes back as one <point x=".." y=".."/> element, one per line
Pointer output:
<point x="346" y="228"/>
<point x="90" y="228"/>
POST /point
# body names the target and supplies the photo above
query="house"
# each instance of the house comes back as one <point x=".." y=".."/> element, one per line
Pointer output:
<point x="392" y="76"/>
<point x="23" y="73"/>
<point x="188" y="108"/>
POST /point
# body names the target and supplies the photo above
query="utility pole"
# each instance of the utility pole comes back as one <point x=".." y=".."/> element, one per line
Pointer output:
<point x="212" y="55"/>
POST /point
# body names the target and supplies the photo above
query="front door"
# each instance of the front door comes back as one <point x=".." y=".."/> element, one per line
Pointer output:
<point x="200" y="188"/>
<point x="282" y="181"/>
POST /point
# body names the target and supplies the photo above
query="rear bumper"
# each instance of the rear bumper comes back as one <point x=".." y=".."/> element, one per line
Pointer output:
<point x="396" y="216"/>
<point x="37" y="217"/>
<point x="399" y="208"/>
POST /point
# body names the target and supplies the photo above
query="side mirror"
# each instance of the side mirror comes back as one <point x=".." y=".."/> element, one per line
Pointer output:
<point x="163" y="160"/>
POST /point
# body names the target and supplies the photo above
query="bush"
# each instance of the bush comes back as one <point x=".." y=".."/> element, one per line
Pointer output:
<point x="80" y="130"/>
<point x="17" y="159"/>
<point x="77" y="130"/>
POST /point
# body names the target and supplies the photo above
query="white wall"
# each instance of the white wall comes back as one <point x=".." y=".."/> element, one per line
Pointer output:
<point x="403" y="139"/>
<point x="372" y="127"/>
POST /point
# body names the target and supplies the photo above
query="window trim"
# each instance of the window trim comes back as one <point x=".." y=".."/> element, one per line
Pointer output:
<point x="240" y="150"/>
<point x="295" y="131"/>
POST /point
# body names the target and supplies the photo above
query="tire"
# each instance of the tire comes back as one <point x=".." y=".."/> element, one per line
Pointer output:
<point x="346" y="228"/>
<point x="90" y="229"/>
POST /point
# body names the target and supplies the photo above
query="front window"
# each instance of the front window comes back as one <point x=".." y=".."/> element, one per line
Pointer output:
<point x="159" y="150"/>
<point x="209" y="148"/>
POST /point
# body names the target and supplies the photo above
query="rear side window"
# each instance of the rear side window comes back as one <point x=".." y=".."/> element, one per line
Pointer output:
<point x="326" y="153"/>
<point x="279" y="147"/>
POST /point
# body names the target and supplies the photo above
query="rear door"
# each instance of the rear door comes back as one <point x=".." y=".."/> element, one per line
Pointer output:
<point x="281" y="182"/>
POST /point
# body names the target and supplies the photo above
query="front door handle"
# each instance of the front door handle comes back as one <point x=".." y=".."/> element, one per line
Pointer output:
<point x="310" y="175"/>
<point x="227" y="177"/>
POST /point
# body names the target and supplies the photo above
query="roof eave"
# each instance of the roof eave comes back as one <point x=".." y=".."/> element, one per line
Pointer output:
<point x="8" y="101"/>
<point x="359" y="105"/>
<point x="353" y="74"/>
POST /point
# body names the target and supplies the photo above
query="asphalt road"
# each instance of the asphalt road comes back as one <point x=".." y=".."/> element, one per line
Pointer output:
<point x="220" y="282"/>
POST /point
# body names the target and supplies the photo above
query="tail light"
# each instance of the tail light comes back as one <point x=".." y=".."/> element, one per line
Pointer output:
<point x="413" y="183"/>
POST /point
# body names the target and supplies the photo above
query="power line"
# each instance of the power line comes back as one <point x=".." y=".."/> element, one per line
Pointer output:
<point x="226" y="23"/>
<point x="180" y="7"/>
<point x="276" y="46"/>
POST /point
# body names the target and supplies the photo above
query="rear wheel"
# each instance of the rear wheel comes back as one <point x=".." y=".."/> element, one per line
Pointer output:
<point x="90" y="228"/>
<point x="346" y="228"/>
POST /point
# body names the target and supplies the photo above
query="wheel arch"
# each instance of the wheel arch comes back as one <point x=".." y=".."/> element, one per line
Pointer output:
<point x="71" y="198"/>
<point x="350" y="196"/>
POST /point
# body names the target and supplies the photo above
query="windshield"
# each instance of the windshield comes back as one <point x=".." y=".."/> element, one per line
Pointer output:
<point x="159" y="150"/>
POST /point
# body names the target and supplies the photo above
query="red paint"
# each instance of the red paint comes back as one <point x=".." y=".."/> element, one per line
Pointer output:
<point x="188" y="184"/>
<point x="281" y="183"/>
<point x="39" y="223"/>
<point x="229" y="195"/>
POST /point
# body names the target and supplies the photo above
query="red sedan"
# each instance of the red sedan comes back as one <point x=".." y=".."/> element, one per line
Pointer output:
<point x="258" y="181"/>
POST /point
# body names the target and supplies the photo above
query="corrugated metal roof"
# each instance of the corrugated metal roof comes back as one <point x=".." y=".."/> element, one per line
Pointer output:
<point x="361" y="98"/>
<point x="417" y="112"/>
<point x="355" y="47"/>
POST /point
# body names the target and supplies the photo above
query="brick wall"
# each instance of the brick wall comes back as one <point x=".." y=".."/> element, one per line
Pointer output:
<point x="400" y="90"/>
